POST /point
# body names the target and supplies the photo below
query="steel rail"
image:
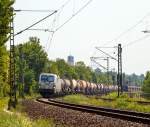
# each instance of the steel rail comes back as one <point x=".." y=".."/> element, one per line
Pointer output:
<point x="140" y="114"/>
<point x="115" y="113"/>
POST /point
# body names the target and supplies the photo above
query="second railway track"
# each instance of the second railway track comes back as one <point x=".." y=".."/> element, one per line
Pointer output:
<point x="115" y="113"/>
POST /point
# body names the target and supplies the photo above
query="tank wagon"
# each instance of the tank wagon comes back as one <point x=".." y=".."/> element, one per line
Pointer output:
<point x="50" y="84"/>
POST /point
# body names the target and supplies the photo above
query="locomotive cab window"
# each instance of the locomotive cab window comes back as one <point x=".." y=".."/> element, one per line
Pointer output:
<point x="46" y="78"/>
<point x="50" y="78"/>
<point x="43" y="78"/>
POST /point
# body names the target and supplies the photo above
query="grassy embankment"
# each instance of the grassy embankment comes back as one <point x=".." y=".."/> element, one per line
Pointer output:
<point x="120" y="103"/>
<point x="18" y="119"/>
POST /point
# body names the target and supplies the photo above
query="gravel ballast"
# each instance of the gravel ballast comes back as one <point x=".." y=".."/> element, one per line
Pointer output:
<point x="71" y="118"/>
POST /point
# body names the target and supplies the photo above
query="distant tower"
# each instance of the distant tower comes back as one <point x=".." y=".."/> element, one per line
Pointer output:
<point x="70" y="60"/>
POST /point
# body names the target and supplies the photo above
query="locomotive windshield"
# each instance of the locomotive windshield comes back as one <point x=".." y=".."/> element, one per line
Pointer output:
<point x="47" y="78"/>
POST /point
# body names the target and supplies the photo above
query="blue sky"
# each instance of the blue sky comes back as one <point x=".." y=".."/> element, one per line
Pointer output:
<point x="100" y="22"/>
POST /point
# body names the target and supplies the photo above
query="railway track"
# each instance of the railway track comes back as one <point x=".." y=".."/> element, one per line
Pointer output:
<point x="115" y="113"/>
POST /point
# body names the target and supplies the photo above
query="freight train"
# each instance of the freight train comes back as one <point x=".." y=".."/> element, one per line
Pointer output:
<point x="50" y="84"/>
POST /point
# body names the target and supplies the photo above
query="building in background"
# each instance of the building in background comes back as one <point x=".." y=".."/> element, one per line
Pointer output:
<point x="70" y="60"/>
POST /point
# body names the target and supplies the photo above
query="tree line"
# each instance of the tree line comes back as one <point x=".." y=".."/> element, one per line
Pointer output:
<point x="5" y="18"/>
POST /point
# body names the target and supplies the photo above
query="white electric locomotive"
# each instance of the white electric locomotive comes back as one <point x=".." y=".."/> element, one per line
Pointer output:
<point x="49" y="84"/>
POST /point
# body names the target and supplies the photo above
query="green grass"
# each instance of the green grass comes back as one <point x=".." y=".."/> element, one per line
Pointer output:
<point x="119" y="103"/>
<point x="43" y="123"/>
<point x="111" y="96"/>
<point x="15" y="120"/>
<point x="138" y="99"/>
<point x="114" y="95"/>
<point x="3" y="102"/>
<point x="19" y="119"/>
<point x="81" y="99"/>
<point x="8" y="120"/>
<point x="11" y="120"/>
<point x="33" y="96"/>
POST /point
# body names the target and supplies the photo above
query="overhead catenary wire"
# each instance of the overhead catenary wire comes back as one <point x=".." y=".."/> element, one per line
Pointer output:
<point x="50" y="41"/>
<point x="62" y="6"/>
<point x="108" y="47"/>
<point x="35" y="23"/>
<point x="128" y="30"/>
<point x="59" y="27"/>
<point x="98" y="63"/>
<point x="106" y="53"/>
<point x="82" y="8"/>
<point x="136" y="41"/>
<point x="20" y="10"/>
<point x="50" y="37"/>
<point x="45" y="30"/>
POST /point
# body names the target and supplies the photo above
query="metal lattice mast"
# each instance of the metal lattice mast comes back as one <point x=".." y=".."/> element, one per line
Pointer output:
<point x="121" y="83"/>
<point x="21" y="73"/>
<point x="119" y="76"/>
<point x="107" y="69"/>
<point x="13" y="99"/>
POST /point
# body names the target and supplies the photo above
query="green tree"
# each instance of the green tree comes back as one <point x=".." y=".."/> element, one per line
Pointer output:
<point x="34" y="62"/>
<point x="65" y="70"/>
<point x="5" y="18"/>
<point x="29" y="79"/>
<point x="146" y="85"/>
<point x="51" y="67"/>
<point x="84" y="72"/>
<point x="102" y="77"/>
<point x="35" y="56"/>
